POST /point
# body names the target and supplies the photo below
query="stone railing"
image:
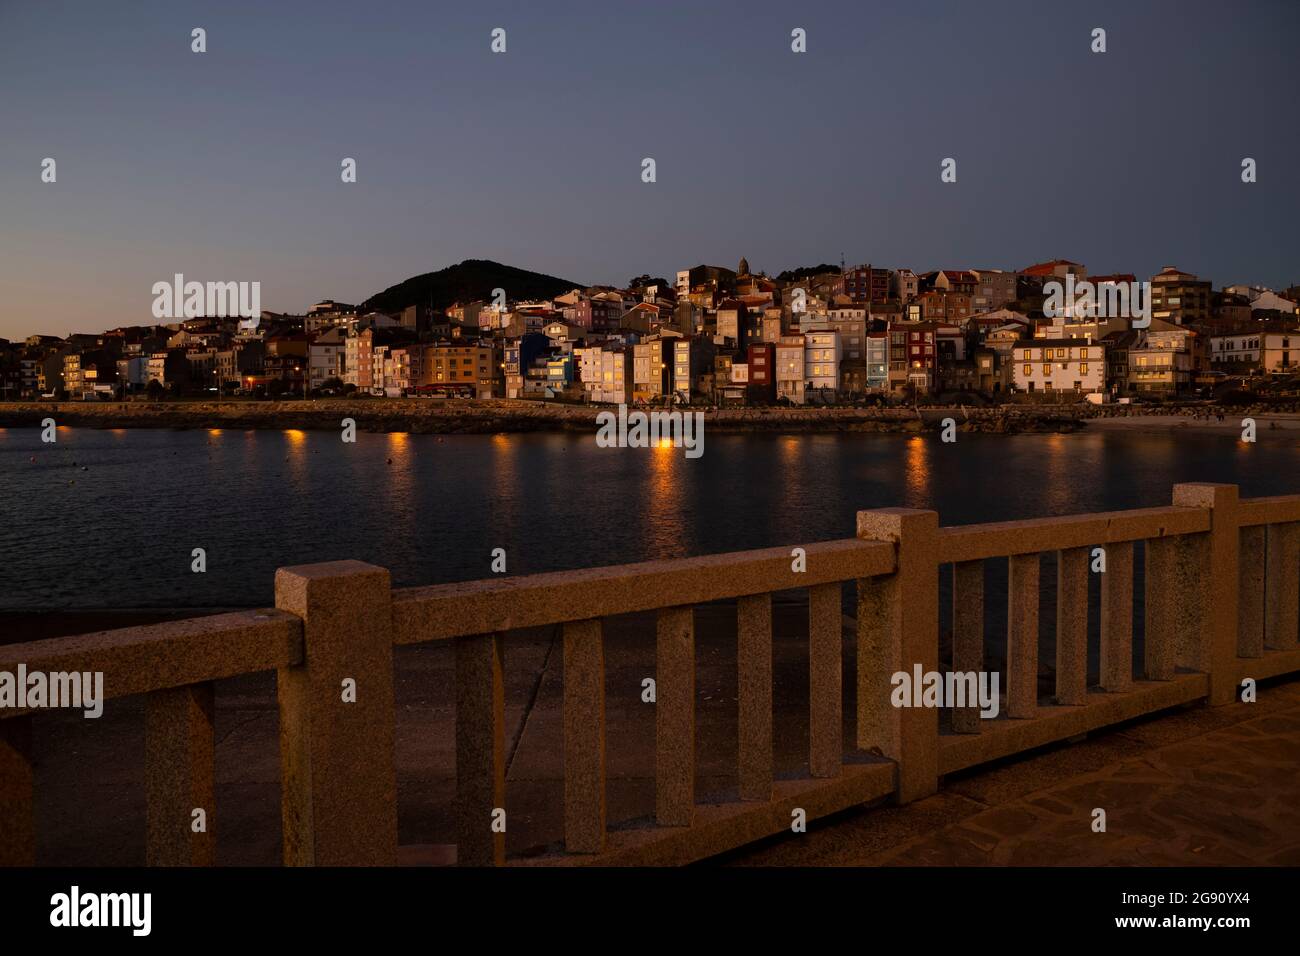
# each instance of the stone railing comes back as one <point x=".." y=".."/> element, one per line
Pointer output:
<point x="1221" y="579"/>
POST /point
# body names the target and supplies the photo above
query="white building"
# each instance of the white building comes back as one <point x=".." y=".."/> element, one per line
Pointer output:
<point x="1059" y="365"/>
<point x="1267" y="351"/>
<point x="822" y="354"/>
<point x="790" y="380"/>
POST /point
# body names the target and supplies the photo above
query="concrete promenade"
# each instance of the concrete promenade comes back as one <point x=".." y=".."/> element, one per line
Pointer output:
<point x="1197" y="785"/>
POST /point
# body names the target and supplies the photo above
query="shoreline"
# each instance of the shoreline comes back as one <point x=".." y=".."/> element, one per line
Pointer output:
<point x="497" y="416"/>
<point x="494" y="416"/>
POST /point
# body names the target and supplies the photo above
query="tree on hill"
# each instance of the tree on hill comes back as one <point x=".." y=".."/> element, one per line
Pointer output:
<point x="804" y="272"/>
<point x="641" y="281"/>
<point x="469" y="281"/>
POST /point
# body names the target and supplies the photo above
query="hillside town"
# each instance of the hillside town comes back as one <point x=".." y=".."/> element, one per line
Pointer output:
<point x="819" y="336"/>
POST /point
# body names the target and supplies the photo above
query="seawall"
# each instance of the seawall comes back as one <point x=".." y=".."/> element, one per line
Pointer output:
<point x="423" y="416"/>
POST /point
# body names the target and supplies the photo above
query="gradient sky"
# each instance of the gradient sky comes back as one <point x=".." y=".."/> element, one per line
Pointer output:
<point x="225" y="165"/>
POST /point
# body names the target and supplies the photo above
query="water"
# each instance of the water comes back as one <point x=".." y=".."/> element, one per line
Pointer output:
<point x="122" y="532"/>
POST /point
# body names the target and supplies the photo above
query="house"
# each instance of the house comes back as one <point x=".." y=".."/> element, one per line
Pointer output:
<point x="994" y="289"/>
<point x="790" y="379"/>
<point x="761" y="372"/>
<point x="823" y="352"/>
<point x="1244" y="353"/>
<point x="1179" y="297"/>
<point x="1059" y="365"/>
<point x="1162" y="361"/>
<point x="693" y="358"/>
<point x="876" y="354"/>
<point x="652" y="370"/>
<point x="327" y="357"/>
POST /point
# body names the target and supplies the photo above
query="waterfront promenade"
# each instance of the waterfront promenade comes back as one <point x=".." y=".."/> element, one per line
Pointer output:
<point x="528" y="699"/>
<point x="1193" y="785"/>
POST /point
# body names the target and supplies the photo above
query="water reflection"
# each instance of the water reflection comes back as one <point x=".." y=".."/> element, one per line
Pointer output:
<point x="916" y="472"/>
<point x="296" y="458"/>
<point x="663" y="527"/>
<point x="505" y="484"/>
<point x="434" y="515"/>
<point x="400" y="475"/>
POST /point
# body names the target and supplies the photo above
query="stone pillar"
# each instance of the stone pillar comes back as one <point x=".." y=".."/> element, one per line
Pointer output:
<point x="480" y="750"/>
<point x="338" y="781"/>
<point x="584" y="737"/>
<point x="1250" y="613"/>
<point x="898" y="627"/>
<point x="1164" y="599"/>
<point x="1072" y="626"/>
<point x="1117" y="618"/>
<point x="967" y="635"/>
<point x="180" y="752"/>
<point x="754" y="681"/>
<point x="825" y="681"/>
<point x="1022" y="635"/>
<point x="1282" y="590"/>
<point x="1210" y="644"/>
<point x="675" y="717"/>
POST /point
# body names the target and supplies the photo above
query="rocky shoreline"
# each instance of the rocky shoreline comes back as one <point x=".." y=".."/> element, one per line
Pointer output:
<point x="496" y="416"/>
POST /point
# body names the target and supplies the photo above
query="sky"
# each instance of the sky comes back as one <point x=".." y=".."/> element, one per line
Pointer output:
<point x="225" y="165"/>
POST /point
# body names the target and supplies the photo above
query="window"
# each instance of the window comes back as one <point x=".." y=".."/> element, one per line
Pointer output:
<point x="1083" y="368"/>
<point x="1029" y="371"/>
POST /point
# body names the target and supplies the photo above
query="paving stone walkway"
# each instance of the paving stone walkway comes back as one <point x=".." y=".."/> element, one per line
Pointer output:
<point x="1204" y="786"/>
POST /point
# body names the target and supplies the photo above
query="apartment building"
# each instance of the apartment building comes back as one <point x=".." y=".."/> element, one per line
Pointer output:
<point x="994" y="289"/>
<point x="1162" y="362"/>
<point x="907" y="285"/>
<point x="464" y="371"/>
<point x="761" y="371"/>
<point x="327" y="357"/>
<point x="1179" y="297"/>
<point x="790" y="379"/>
<point x="1247" y="352"/>
<point x="1060" y="365"/>
<point x="616" y="376"/>
<point x="693" y="359"/>
<point x="652" y="370"/>
<point x="939" y="305"/>
<point x="823" y="351"/>
<point x="876" y="353"/>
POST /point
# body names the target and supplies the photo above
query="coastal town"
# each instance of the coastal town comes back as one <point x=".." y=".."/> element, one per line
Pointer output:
<point x="713" y="336"/>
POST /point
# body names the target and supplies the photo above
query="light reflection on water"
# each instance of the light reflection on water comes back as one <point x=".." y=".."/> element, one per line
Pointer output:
<point x="120" y="533"/>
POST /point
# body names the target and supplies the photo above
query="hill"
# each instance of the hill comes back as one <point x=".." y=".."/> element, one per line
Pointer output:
<point x="467" y="281"/>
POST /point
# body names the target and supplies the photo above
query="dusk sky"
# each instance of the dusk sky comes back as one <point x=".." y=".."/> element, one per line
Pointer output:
<point x="226" y="165"/>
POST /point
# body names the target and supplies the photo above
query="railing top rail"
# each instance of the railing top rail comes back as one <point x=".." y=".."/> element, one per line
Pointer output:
<point x="1002" y="539"/>
<point x="1270" y="510"/>
<point x="136" y="660"/>
<point x="480" y="607"/>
